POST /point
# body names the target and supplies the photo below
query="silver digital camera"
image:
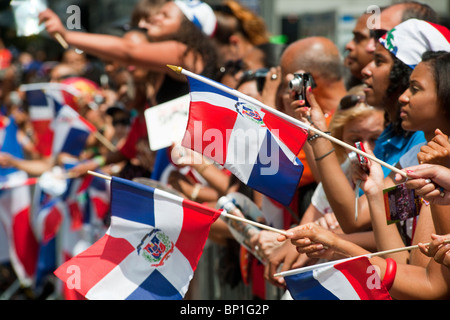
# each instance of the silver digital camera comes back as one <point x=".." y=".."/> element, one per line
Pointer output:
<point x="300" y="84"/>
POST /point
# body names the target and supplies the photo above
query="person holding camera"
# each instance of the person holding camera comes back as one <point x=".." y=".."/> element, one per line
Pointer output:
<point x="321" y="59"/>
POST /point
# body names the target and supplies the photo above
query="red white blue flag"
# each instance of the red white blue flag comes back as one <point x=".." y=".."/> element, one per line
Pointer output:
<point x="70" y="132"/>
<point x="354" y="279"/>
<point x="150" y="250"/>
<point x="257" y="146"/>
<point x="44" y="102"/>
<point x="15" y="216"/>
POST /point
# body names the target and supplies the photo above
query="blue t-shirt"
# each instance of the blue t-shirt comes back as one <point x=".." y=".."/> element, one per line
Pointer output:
<point x="409" y="159"/>
<point x="390" y="146"/>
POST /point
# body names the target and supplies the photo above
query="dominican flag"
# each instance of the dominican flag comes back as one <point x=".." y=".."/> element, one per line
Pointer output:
<point x="354" y="279"/>
<point x="257" y="146"/>
<point x="70" y="132"/>
<point x="44" y="102"/>
<point x="150" y="250"/>
<point x="49" y="219"/>
<point x="15" y="216"/>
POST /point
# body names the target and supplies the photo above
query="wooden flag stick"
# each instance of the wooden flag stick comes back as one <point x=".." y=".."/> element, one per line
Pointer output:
<point x="333" y="262"/>
<point x="284" y="116"/>
<point x="253" y="223"/>
<point x="99" y="175"/>
<point x="61" y="41"/>
<point x="105" y="141"/>
<point x="223" y="213"/>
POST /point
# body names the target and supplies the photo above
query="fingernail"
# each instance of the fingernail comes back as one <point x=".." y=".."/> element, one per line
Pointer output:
<point x="289" y="234"/>
<point x="302" y="101"/>
<point x="310" y="89"/>
<point x="409" y="171"/>
<point x="427" y="181"/>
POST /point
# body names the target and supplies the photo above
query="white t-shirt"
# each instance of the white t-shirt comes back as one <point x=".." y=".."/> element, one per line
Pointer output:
<point x="319" y="199"/>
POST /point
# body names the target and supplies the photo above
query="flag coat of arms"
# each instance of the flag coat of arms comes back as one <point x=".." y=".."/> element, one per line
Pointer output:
<point x="150" y="250"/>
<point x="258" y="147"/>
<point x="353" y="279"/>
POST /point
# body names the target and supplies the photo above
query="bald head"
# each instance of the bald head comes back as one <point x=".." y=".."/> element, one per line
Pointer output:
<point x="317" y="55"/>
<point x="399" y="12"/>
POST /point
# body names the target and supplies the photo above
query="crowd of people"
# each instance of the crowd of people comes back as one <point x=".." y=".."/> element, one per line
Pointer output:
<point x="389" y="93"/>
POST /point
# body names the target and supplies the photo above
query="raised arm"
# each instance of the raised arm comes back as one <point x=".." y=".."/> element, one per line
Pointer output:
<point x="339" y="192"/>
<point x="152" y="55"/>
<point x="410" y="281"/>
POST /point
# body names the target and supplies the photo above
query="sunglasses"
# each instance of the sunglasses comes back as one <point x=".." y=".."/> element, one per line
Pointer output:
<point x="258" y="75"/>
<point x="377" y="33"/>
<point x="232" y="67"/>
<point x="123" y="121"/>
<point x="350" y="101"/>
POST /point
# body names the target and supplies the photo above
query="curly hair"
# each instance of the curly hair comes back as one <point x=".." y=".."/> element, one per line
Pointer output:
<point x="199" y="43"/>
<point x="232" y="18"/>
<point x="398" y="83"/>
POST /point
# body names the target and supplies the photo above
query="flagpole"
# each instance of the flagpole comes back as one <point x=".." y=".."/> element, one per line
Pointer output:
<point x="105" y="141"/>
<point x="61" y="40"/>
<point x="333" y="262"/>
<point x="223" y="213"/>
<point x="253" y="223"/>
<point x="284" y="116"/>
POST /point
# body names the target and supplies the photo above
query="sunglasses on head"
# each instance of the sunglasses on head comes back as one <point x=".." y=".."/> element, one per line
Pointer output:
<point x="350" y="101"/>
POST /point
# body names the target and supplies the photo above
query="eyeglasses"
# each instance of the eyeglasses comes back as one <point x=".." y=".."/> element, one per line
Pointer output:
<point x="258" y="75"/>
<point x="377" y="33"/>
<point x="350" y="101"/>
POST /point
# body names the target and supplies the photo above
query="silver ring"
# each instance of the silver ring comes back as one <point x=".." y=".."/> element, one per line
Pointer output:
<point x="442" y="194"/>
<point x="274" y="76"/>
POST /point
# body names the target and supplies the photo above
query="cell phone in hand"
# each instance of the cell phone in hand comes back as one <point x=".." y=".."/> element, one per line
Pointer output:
<point x="363" y="161"/>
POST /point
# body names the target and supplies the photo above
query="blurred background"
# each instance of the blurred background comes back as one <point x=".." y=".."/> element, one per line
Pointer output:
<point x="287" y="20"/>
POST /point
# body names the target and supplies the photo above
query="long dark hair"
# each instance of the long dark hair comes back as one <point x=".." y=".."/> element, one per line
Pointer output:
<point x="398" y="83"/>
<point x="199" y="43"/>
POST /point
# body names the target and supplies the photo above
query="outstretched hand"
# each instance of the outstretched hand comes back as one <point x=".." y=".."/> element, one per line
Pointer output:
<point x="430" y="181"/>
<point x="53" y="23"/>
<point x="437" y="249"/>
<point x="436" y="151"/>
<point x="313" y="240"/>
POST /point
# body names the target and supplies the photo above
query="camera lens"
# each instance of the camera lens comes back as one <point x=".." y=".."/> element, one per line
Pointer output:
<point x="296" y="84"/>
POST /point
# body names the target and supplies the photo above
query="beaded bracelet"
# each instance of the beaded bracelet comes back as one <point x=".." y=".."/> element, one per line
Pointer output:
<point x="315" y="136"/>
<point x="389" y="274"/>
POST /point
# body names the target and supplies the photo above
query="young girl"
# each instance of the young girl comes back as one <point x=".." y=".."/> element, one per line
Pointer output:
<point x="356" y="123"/>
<point x="425" y="105"/>
<point x="393" y="62"/>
